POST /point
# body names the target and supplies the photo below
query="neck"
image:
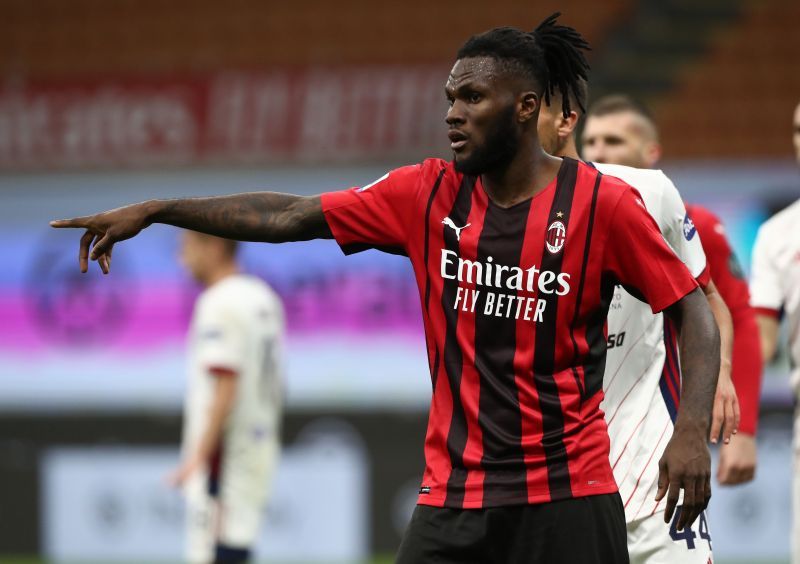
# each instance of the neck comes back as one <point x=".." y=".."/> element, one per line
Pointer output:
<point x="569" y="149"/>
<point x="221" y="271"/>
<point x="529" y="173"/>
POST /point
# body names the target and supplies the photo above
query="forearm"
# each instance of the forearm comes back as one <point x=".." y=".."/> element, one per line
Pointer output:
<point x="768" y="335"/>
<point x="210" y="439"/>
<point x="258" y="216"/>
<point x="722" y="316"/>
<point x="700" y="360"/>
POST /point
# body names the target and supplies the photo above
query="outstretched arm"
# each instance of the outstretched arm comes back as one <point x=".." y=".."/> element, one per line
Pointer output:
<point x="686" y="462"/>
<point x="259" y="216"/>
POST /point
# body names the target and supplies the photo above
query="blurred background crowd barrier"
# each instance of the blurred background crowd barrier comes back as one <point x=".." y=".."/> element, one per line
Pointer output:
<point x="105" y="103"/>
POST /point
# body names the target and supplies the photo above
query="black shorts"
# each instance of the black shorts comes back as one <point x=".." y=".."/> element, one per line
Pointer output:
<point x="585" y="530"/>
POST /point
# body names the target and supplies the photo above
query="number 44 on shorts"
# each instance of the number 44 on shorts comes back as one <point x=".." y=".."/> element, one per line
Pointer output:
<point x="687" y="534"/>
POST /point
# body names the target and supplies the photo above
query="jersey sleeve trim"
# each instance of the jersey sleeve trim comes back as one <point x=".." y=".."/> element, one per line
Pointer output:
<point x="704" y="278"/>
<point x="223" y="371"/>
<point x="661" y="305"/>
<point x="353" y="248"/>
<point x="332" y="201"/>
<point x="767" y="312"/>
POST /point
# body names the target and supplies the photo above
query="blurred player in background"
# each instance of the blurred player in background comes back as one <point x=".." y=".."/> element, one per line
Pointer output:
<point x="621" y="131"/>
<point x="775" y="291"/>
<point x="508" y="247"/>
<point x="642" y="376"/>
<point x="232" y="412"/>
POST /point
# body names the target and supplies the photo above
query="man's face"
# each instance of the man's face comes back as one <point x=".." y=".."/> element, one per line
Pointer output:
<point x="622" y="138"/>
<point x="796" y="132"/>
<point x="484" y="134"/>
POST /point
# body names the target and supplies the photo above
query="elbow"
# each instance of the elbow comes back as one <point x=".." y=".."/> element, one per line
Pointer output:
<point x="769" y="348"/>
<point x="693" y="315"/>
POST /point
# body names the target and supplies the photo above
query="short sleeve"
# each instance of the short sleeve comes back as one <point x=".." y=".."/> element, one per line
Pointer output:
<point x="766" y="293"/>
<point x="376" y="215"/>
<point x="680" y="232"/>
<point x="220" y="339"/>
<point x="638" y="257"/>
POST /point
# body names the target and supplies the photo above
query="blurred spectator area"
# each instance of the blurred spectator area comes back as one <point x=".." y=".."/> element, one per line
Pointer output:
<point x="698" y="63"/>
<point x="737" y="100"/>
<point x="56" y="38"/>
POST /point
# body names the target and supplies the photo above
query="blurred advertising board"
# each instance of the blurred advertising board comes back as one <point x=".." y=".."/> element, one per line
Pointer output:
<point x="302" y="114"/>
<point x="72" y="340"/>
<point x="108" y="504"/>
<point x="355" y="337"/>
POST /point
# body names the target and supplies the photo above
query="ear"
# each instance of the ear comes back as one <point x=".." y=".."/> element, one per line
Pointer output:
<point x="527" y="107"/>
<point x="653" y="153"/>
<point x="567" y="125"/>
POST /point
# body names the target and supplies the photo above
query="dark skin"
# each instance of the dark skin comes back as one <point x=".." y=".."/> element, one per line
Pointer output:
<point x="686" y="462"/>
<point x="481" y="95"/>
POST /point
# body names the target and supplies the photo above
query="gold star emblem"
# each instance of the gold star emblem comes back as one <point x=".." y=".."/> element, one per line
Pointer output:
<point x="560" y="214"/>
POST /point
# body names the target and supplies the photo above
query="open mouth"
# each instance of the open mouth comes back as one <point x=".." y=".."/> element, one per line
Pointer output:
<point x="457" y="140"/>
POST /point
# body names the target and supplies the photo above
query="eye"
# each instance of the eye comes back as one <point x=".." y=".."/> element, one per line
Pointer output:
<point x="474" y="97"/>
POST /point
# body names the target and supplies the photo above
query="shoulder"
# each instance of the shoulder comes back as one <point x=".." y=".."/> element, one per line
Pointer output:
<point x="409" y="177"/>
<point x="239" y="293"/>
<point x="427" y="169"/>
<point x="439" y="171"/>
<point x="652" y="184"/>
<point x="643" y="179"/>
<point x="613" y="189"/>
<point x="788" y="217"/>
<point x="435" y="166"/>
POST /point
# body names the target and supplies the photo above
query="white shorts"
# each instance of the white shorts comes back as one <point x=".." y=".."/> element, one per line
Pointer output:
<point x="652" y="541"/>
<point x="232" y="515"/>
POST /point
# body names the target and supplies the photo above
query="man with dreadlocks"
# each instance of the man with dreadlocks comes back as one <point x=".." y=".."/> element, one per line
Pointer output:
<point x="516" y="255"/>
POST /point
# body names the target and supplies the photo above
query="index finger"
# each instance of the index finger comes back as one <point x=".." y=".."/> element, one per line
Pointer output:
<point x="730" y="422"/>
<point x="74" y="222"/>
<point x="717" y="419"/>
<point x="689" y="510"/>
<point x="672" y="499"/>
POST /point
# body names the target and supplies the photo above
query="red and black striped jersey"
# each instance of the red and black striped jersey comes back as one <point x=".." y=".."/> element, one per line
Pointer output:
<point x="514" y="303"/>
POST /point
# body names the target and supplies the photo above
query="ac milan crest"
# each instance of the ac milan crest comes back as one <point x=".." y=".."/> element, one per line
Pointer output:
<point x="556" y="235"/>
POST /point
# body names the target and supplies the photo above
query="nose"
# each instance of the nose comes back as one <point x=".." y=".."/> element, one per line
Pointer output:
<point x="455" y="115"/>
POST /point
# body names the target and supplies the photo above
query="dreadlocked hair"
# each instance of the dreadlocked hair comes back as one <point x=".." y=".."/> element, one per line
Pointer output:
<point x="566" y="64"/>
<point x="552" y="55"/>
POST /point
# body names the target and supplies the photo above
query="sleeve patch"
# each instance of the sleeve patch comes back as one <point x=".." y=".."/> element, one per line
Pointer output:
<point x="689" y="229"/>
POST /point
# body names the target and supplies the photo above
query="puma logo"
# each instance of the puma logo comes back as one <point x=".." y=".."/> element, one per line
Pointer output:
<point x="449" y="223"/>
